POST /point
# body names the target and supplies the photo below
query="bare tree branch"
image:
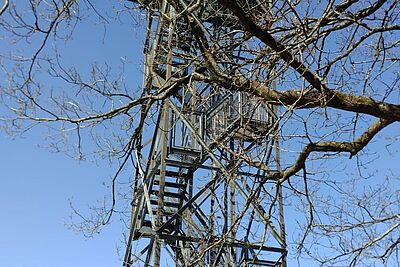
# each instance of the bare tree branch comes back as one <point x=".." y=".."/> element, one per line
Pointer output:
<point x="4" y="7"/>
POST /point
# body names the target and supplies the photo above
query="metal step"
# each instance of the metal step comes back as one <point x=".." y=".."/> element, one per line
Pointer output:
<point x="262" y="263"/>
<point x="166" y="203"/>
<point x="170" y="228"/>
<point x="168" y="194"/>
<point x="167" y="213"/>
<point x="170" y="184"/>
<point x="185" y="151"/>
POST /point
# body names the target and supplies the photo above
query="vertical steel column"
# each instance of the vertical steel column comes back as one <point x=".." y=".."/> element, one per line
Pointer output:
<point x="161" y="180"/>
<point x="165" y="127"/>
<point x="232" y="186"/>
<point x="280" y="200"/>
<point x="279" y="185"/>
<point x="212" y="212"/>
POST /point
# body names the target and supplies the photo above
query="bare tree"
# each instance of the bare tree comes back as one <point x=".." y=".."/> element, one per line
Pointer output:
<point x="330" y="68"/>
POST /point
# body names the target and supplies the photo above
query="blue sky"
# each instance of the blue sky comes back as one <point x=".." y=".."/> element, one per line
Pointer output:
<point x="37" y="185"/>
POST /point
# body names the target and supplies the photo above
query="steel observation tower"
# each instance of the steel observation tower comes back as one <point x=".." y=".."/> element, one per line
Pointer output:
<point x="196" y="199"/>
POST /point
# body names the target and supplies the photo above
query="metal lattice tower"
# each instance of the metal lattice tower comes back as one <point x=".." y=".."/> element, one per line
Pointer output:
<point x="197" y="201"/>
